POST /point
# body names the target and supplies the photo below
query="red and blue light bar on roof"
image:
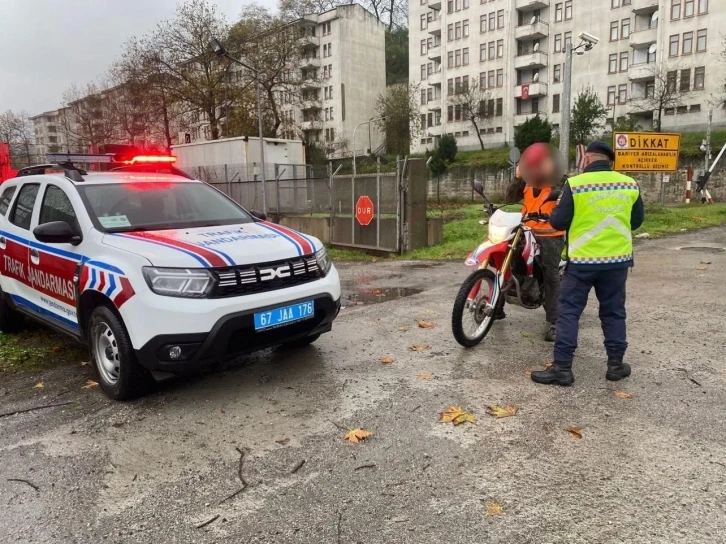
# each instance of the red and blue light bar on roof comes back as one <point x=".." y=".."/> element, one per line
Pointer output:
<point x="109" y="158"/>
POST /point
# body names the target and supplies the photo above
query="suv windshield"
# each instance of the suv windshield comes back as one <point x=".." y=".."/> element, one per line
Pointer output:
<point x="152" y="205"/>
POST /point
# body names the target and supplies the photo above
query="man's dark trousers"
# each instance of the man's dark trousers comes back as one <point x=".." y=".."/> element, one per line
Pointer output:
<point x="610" y="291"/>
<point x="551" y="255"/>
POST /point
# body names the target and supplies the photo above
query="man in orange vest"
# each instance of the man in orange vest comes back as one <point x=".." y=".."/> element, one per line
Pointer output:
<point x="540" y="178"/>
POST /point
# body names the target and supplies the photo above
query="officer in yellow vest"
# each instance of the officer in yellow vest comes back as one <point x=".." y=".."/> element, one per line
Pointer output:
<point x="599" y="209"/>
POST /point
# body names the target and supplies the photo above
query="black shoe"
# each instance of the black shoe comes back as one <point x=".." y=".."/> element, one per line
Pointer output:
<point x="550" y="333"/>
<point x="500" y="315"/>
<point x="617" y="369"/>
<point x="554" y="375"/>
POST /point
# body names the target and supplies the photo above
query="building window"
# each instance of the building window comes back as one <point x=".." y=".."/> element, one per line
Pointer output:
<point x="492" y="21"/>
<point x="483" y="23"/>
<point x="699" y="78"/>
<point x="466" y="4"/>
<point x="464" y="83"/>
<point x="465" y="28"/>
<point x="625" y="29"/>
<point x="624" y="61"/>
<point x="429" y="71"/>
<point x="558" y="13"/>
<point x="701" y="39"/>
<point x="611" y="95"/>
<point x="423" y="72"/>
<point x="650" y="89"/>
<point x="613" y="63"/>
<point x="429" y="94"/>
<point x="689" y="10"/>
<point x="500" y="18"/>
<point x="675" y="9"/>
<point x="614" y="26"/>
<point x="457" y="57"/>
<point x="687" y="43"/>
<point x="457" y="5"/>
<point x="568" y="40"/>
<point x="450" y="59"/>
<point x="500" y="77"/>
<point x="457" y="31"/>
<point x="457" y="112"/>
<point x="555" y="103"/>
<point x="671" y="81"/>
<point x="423" y="48"/>
<point x="450" y="85"/>
<point x="614" y="4"/>
<point x="622" y="94"/>
<point x="450" y="7"/>
<point x="450" y="32"/>
<point x="558" y="43"/>
<point x="627" y="2"/>
<point x="568" y="10"/>
<point x="673" y="49"/>
<point x="702" y="7"/>
<point x="500" y="107"/>
<point x="491" y="79"/>
<point x="557" y="74"/>
<point x="500" y="49"/>
<point x="423" y="21"/>
<point x="482" y="80"/>
<point x="685" y="80"/>
<point x="695" y="108"/>
<point x="670" y="111"/>
<point x="423" y="97"/>
<point x="482" y="52"/>
<point x="465" y="55"/>
<point x="450" y="114"/>
<point x="682" y="109"/>
<point x="491" y="50"/>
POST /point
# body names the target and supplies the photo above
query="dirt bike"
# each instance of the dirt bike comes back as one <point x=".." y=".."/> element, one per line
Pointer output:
<point x="508" y="269"/>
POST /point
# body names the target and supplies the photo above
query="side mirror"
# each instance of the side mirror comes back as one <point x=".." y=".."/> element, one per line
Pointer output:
<point x="57" y="232"/>
<point x="553" y="196"/>
<point x="479" y="188"/>
<point x="262" y="216"/>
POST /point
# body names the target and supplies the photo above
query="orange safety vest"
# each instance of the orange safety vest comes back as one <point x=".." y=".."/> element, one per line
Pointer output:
<point x="537" y="204"/>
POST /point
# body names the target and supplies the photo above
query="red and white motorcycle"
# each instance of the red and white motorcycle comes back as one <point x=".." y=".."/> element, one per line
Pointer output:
<point x="508" y="269"/>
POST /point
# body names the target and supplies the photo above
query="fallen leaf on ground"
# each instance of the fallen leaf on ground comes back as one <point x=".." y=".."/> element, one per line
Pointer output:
<point x="575" y="432"/>
<point x="425" y="324"/>
<point x="705" y="262"/>
<point x="356" y="435"/>
<point x="402" y="329"/>
<point x="387" y="360"/>
<point x="702" y="268"/>
<point x="697" y="219"/>
<point x="377" y="292"/>
<point x="283" y="441"/>
<point x="374" y="260"/>
<point x="419" y="348"/>
<point x="456" y="415"/>
<point x="85" y="363"/>
<point x="502" y="411"/>
<point x="90" y="384"/>
<point x="494" y="509"/>
<point x="547" y="365"/>
<point x="527" y="335"/>
<point x="528" y="373"/>
<point x="57" y="348"/>
<point x="425" y="375"/>
<point x="39" y="385"/>
<point x="622" y="395"/>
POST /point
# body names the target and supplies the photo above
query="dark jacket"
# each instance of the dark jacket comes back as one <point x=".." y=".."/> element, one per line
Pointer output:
<point x="561" y="216"/>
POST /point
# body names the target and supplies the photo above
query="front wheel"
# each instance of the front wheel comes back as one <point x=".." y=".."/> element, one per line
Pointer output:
<point x="475" y="308"/>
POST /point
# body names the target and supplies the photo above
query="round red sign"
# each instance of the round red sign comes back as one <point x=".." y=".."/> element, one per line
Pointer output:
<point x="364" y="210"/>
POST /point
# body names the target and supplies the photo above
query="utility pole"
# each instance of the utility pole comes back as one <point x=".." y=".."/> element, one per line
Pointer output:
<point x="262" y="144"/>
<point x="566" y="105"/>
<point x="708" y="138"/>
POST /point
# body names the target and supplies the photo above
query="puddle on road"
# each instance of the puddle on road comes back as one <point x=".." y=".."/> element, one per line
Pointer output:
<point x="703" y="249"/>
<point x="370" y="279"/>
<point x="354" y="294"/>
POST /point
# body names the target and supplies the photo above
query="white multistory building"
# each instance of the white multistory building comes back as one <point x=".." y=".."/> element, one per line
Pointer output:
<point x="51" y="134"/>
<point x="514" y="49"/>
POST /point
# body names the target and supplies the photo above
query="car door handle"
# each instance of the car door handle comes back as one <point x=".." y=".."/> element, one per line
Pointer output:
<point x="34" y="253"/>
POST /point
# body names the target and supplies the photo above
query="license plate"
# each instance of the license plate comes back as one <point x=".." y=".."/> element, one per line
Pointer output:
<point x="284" y="315"/>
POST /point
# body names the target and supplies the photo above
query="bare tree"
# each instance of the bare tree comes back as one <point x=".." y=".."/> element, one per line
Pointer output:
<point x="472" y="101"/>
<point x="295" y="9"/>
<point x="86" y="118"/>
<point x="17" y="131"/>
<point x="402" y="123"/>
<point x="662" y="91"/>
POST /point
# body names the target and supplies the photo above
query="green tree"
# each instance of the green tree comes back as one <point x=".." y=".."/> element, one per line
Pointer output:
<point x="447" y="148"/>
<point x="533" y="130"/>
<point x="588" y="116"/>
<point x="315" y="154"/>
<point x="397" y="56"/>
<point x="401" y="117"/>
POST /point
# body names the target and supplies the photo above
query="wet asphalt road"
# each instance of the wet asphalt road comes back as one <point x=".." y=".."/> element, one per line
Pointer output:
<point x="648" y="469"/>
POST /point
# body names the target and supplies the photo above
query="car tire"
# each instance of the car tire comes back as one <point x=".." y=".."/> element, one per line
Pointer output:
<point x="120" y="375"/>
<point x="11" y="321"/>
<point x="301" y="342"/>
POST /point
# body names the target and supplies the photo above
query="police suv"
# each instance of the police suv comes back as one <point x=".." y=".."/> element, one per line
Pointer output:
<point x="157" y="272"/>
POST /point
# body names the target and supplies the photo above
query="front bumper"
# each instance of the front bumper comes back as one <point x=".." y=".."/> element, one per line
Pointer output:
<point x="233" y="335"/>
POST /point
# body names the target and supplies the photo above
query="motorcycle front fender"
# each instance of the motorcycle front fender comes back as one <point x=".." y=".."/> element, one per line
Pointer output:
<point x="488" y="251"/>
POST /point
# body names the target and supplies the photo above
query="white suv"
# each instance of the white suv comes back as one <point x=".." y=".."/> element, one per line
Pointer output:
<point x="158" y="273"/>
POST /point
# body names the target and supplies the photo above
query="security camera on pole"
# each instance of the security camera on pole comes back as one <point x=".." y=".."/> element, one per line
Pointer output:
<point x="587" y="42"/>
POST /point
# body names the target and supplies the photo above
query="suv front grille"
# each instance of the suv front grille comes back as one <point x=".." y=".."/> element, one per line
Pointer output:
<point x="259" y="278"/>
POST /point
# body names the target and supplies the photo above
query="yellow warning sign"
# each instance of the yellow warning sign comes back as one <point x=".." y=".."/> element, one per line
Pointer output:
<point x="646" y="151"/>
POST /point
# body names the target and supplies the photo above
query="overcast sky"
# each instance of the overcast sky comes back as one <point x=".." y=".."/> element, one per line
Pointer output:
<point x="46" y="45"/>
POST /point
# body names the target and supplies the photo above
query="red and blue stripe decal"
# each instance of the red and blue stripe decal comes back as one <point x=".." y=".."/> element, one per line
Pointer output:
<point x="302" y="243"/>
<point x="209" y="258"/>
<point x="108" y="280"/>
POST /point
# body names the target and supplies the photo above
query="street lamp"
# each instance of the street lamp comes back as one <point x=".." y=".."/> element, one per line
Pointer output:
<point x="381" y="118"/>
<point x="587" y="42"/>
<point x="219" y="50"/>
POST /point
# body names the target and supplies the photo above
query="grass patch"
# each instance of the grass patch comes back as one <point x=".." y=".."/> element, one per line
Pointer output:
<point x="661" y="220"/>
<point x="38" y="348"/>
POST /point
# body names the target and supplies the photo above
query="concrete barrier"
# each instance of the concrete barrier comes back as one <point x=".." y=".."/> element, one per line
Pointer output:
<point x="314" y="226"/>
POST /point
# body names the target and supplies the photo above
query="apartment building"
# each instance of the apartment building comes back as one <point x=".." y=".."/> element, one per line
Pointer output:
<point x="343" y="72"/>
<point x="50" y="134"/>
<point x="515" y="51"/>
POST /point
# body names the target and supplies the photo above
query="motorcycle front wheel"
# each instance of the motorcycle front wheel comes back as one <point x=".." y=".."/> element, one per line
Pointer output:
<point x="473" y="316"/>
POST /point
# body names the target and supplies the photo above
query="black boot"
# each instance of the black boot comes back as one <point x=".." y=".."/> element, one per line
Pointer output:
<point x="617" y="369"/>
<point x="557" y="374"/>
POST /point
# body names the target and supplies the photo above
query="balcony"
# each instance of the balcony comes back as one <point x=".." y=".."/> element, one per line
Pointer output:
<point x="535" y="31"/>
<point x="434" y="78"/>
<point x="643" y="7"/>
<point x="535" y="90"/>
<point x="308" y="42"/>
<point x="310" y="105"/>
<point x="434" y="27"/>
<point x="310" y="83"/>
<point x="640" y="106"/>
<point x="434" y="105"/>
<point x="530" y="60"/>
<point x="434" y="53"/>
<point x="644" y="37"/>
<point x="519" y="119"/>
<point x="435" y="4"/>
<point x="531" y="5"/>
<point x="642" y="71"/>
<point x="309" y="62"/>
<point x="307" y="126"/>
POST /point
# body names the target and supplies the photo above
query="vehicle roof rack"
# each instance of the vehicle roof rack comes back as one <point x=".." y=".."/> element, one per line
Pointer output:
<point x="70" y="171"/>
<point x="125" y="159"/>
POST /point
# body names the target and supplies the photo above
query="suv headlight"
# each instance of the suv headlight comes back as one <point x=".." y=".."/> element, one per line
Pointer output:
<point x="324" y="262"/>
<point x="179" y="282"/>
